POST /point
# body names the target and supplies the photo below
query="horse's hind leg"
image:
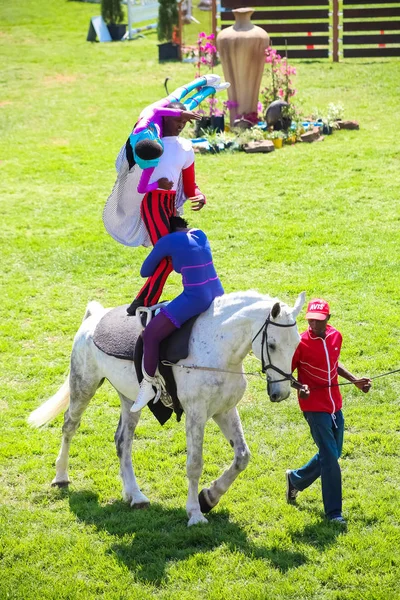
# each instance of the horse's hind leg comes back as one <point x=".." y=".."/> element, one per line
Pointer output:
<point x="123" y="442"/>
<point x="83" y="386"/>
<point x="231" y="427"/>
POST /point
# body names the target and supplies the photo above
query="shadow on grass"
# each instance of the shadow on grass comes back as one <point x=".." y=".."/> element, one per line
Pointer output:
<point x="157" y="535"/>
<point x="319" y="535"/>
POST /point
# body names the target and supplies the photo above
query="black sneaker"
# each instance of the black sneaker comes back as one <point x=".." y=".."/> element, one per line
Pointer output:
<point x="291" y="491"/>
<point x="131" y="310"/>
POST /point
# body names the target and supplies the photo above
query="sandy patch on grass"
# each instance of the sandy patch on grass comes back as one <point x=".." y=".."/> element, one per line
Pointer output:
<point x="59" y="142"/>
<point x="59" y="78"/>
<point x="5" y="103"/>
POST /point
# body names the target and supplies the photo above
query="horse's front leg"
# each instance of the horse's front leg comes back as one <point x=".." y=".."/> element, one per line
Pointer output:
<point x="231" y="427"/>
<point x="195" y="424"/>
<point x="123" y="443"/>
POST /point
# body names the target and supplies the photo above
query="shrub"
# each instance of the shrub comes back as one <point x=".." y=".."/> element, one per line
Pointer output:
<point x="111" y="11"/>
<point x="167" y="19"/>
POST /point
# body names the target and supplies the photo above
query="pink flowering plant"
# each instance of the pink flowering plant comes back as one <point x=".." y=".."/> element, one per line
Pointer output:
<point x="206" y="52"/>
<point x="204" y="55"/>
<point x="280" y="74"/>
<point x="213" y="107"/>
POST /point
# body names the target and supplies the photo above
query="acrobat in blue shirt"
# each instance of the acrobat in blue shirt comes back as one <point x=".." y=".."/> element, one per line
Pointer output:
<point x="191" y="256"/>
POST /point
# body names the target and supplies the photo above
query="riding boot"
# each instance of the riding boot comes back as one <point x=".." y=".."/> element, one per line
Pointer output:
<point x="146" y="392"/>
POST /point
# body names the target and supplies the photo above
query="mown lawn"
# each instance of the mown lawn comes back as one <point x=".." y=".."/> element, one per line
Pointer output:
<point x="322" y="217"/>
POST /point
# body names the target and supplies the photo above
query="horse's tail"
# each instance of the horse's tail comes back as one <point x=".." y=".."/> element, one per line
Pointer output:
<point x="52" y="407"/>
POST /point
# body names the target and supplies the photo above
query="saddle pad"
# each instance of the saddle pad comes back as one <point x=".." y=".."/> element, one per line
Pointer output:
<point x="117" y="332"/>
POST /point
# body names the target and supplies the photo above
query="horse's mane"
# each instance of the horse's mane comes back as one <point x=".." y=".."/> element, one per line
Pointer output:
<point x="236" y="300"/>
<point x="247" y="296"/>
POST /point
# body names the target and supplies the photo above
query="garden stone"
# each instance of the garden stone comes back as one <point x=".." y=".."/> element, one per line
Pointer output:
<point x="201" y="148"/>
<point x="263" y="146"/>
<point x="311" y="136"/>
<point x="348" y="125"/>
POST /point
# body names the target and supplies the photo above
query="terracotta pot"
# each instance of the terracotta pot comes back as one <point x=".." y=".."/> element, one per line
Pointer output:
<point x="241" y="49"/>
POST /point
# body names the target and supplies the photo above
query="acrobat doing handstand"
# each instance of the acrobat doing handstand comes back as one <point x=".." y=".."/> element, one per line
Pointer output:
<point x="142" y="202"/>
<point x="144" y="146"/>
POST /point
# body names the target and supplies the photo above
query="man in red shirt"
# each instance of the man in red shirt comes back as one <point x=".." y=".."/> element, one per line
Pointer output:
<point x="317" y="362"/>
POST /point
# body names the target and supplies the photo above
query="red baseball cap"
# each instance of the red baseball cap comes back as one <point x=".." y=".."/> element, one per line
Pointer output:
<point x="318" y="309"/>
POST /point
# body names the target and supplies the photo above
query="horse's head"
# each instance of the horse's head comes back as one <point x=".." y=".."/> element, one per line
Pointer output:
<point x="274" y="344"/>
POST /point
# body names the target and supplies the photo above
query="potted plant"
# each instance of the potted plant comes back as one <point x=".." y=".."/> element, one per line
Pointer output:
<point x="214" y="120"/>
<point x="166" y="30"/>
<point x="212" y="137"/>
<point x="277" y="138"/>
<point x="113" y="15"/>
<point x="296" y="128"/>
<point x="219" y="141"/>
<point x="328" y="121"/>
<point x="333" y="114"/>
<point x="291" y="137"/>
<point x="277" y="94"/>
<point x="328" y="125"/>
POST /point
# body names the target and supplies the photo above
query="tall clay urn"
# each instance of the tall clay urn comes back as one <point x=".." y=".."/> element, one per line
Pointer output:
<point x="241" y="49"/>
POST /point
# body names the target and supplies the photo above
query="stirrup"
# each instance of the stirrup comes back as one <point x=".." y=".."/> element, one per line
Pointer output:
<point x="148" y="312"/>
<point x="158" y="394"/>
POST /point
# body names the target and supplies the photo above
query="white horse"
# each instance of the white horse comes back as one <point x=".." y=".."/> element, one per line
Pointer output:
<point x="220" y="340"/>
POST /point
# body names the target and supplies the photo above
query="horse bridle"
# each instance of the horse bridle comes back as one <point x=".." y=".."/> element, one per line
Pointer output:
<point x="264" y="344"/>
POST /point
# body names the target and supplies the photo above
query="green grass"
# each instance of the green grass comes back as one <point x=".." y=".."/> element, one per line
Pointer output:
<point x="322" y="217"/>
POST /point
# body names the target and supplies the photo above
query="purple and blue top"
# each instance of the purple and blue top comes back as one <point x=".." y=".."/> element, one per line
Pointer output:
<point x="150" y="116"/>
<point x="154" y="114"/>
<point x="191" y="256"/>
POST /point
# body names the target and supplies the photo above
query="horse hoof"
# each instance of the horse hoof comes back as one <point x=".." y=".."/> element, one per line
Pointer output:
<point x="140" y="505"/>
<point x="196" y="520"/>
<point x="60" y="484"/>
<point x="205" y="506"/>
